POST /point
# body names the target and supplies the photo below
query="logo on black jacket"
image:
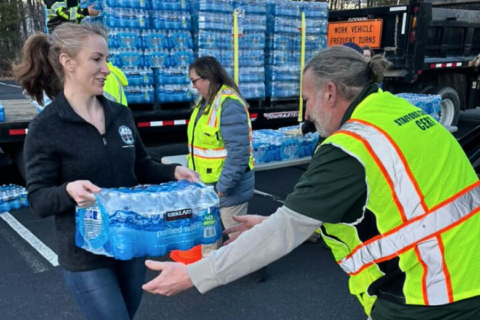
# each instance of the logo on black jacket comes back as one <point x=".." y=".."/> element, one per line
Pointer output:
<point x="126" y="134"/>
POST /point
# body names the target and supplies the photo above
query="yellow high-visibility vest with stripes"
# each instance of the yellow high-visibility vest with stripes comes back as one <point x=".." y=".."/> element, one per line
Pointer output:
<point x="425" y="196"/>
<point x="56" y="10"/>
<point x="113" y="87"/>
<point x="206" y="148"/>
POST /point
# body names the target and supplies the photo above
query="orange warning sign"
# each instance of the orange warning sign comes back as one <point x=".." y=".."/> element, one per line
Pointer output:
<point x="363" y="33"/>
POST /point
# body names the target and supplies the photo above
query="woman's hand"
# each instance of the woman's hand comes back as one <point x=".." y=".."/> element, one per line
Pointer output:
<point x="182" y="173"/>
<point x="81" y="191"/>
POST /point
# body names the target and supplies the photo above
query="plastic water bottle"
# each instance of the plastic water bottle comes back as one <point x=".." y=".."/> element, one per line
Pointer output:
<point x="2" y="112"/>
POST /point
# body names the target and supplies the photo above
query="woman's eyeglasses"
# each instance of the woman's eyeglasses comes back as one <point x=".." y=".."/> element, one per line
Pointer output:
<point x="195" y="80"/>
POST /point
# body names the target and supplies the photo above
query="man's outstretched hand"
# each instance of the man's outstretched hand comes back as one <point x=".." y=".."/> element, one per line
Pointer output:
<point x="173" y="278"/>
<point x="245" y="223"/>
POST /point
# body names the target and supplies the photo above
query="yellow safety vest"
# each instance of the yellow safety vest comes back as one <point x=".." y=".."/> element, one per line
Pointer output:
<point x="207" y="151"/>
<point x="56" y="10"/>
<point x="425" y="196"/>
<point x="113" y="88"/>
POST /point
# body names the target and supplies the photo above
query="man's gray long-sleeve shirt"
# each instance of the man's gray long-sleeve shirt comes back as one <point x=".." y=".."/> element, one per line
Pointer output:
<point x="278" y="235"/>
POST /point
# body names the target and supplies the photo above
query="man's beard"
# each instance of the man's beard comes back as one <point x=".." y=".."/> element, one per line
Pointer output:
<point x="321" y="122"/>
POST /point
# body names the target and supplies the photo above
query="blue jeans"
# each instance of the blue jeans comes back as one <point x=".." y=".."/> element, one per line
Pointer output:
<point x="108" y="293"/>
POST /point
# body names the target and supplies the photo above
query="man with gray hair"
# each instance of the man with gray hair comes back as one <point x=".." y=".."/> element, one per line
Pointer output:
<point x="398" y="225"/>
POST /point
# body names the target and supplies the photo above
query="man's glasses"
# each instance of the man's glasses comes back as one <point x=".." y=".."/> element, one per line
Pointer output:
<point x="195" y="80"/>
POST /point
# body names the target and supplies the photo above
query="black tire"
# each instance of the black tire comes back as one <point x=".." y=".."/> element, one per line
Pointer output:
<point x="450" y="109"/>
<point x="427" y="89"/>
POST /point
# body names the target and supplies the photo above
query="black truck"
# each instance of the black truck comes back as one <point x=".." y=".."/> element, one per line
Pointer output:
<point x="431" y="45"/>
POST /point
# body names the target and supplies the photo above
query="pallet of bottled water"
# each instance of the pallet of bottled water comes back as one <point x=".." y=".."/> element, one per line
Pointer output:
<point x="274" y="145"/>
<point x="149" y="220"/>
<point x="12" y="197"/>
<point x="429" y="103"/>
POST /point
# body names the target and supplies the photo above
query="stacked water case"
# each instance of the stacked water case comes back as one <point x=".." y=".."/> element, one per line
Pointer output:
<point x="284" y="37"/>
<point x="213" y="36"/>
<point x="169" y="49"/>
<point x="274" y="145"/>
<point x="126" y="21"/>
<point x="252" y="27"/>
<point x="147" y="37"/>
<point x="12" y="197"/>
<point x="212" y="30"/>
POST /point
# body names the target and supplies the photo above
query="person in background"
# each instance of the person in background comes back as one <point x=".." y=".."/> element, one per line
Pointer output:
<point x="82" y="142"/>
<point x="59" y="12"/>
<point x="405" y="231"/>
<point x="114" y="84"/>
<point x="368" y="52"/>
<point x="220" y="140"/>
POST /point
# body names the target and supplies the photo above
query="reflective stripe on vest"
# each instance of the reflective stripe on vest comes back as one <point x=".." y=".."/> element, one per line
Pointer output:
<point x="73" y="14"/>
<point x="58" y="5"/>
<point x="386" y="246"/>
<point x="212" y="120"/>
<point x="387" y="155"/>
<point x="421" y="229"/>
<point x="109" y="87"/>
<point x="208" y="153"/>
<point x="109" y="96"/>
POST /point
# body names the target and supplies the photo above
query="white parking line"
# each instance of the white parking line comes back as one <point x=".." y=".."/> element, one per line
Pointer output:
<point x="10" y="85"/>
<point x="38" y="245"/>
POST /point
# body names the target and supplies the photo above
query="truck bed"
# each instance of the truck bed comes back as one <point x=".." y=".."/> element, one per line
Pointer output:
<point x="18" y="110"/>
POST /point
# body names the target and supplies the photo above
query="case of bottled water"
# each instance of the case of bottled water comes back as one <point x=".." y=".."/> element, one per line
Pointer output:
<point x="180" y="39"/>
<point x="258" y="7"/>
<point x="12" y="197"/>
<point x="430" y="104"/>
<point x="155" y="39"/>
<point x="157" y="58"/>
<point x="174" y="93"/>
<point x="127" y="58"/>
<point x="282" y="73"/>
<point x="224" y="6"/>
<point x="171" y="5"/>
<point x="181" y="57"/>
<point x="125" y="38"/>
<point x="275" y="145"/>
<point x="139" y="94"/>
<point x="248" y="74"/>
<point x="252" y="90"/>
<point x="282" y="89"/>
<point x="176" y="75"/>
<point x="139" y="76"/>
<point x="207" y="39"/>
<point x="214" y="21"/>
<point x="129" y="4"/>
<point x="171" y="20"/>
<point x="126" y="18"/>
<point x="149" y="220"/>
